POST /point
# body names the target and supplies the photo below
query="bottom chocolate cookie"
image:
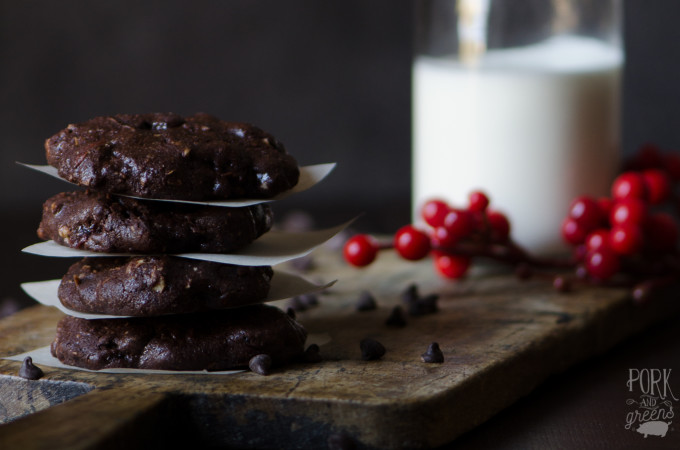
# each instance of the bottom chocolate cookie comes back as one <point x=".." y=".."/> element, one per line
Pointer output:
<point x="204" y="341"/>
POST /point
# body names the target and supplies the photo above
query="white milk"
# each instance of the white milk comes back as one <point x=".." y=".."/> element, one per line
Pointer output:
<point x="533" y="127"/>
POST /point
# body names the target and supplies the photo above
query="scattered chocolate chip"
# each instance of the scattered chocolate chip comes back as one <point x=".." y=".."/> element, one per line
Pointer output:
<point x="29" y="371"/>
<point x="424" y="305"/>
<point x="303" y="302"/>
<point x="410" y="294"/>
<point x="433" y="354"/>
<point x="291" y="312"/>
<point x="366" y="302"/>
<point x="563" y="318"/>
<point x="396" y="318"/>
<point x="341" y="441"/>
<point x="312" y="354"/>
<point x="417" y="305"/>
<point x="562" y="284"/>
<point x="260" y="364"/>
<point x="371" y="349"/>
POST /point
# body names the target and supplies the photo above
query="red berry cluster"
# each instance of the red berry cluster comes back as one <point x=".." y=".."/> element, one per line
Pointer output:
<point x="454" y="235"/>
<point x="629" y="232"/>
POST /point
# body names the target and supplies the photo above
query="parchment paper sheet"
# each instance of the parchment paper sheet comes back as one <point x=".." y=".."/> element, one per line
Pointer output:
<point x="309" y="176"/>
<point x="284" y="285"/>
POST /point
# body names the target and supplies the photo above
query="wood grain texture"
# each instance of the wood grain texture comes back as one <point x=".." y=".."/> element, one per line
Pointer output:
<point x="500" y="336"/>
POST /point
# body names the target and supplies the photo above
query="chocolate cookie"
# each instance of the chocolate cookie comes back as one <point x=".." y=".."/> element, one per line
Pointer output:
<point x="113" y="224"/>
<point x="155" y="285"/>
<point x="205" y="341"/>
<point x="167" y="156"/>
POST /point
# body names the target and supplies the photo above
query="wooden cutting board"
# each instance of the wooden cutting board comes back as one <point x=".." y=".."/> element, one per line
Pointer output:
<point x="500" y="337"/>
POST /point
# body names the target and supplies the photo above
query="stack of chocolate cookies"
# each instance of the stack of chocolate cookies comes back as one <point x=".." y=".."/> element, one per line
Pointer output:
<point x="182" y="314"/>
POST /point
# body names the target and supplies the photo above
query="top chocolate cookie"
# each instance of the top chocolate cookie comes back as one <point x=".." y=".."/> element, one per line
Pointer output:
<point x="168" y="156"/>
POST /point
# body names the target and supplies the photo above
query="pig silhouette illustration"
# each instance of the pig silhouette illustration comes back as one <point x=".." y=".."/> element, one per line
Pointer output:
<point x="655" y="428"/>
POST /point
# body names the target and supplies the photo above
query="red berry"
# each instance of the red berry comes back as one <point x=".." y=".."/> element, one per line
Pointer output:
<point x="360" y="250"/>
<point x="605" y="204"/>
<point x="572" y="232"/>
<point x="602" y="264"/>
<point x="459" y="223"/>
<point x="626" y="239"/>
<point x="661" y="231"/>
<point x="597" y="240"/>
<point x="478" y="221"/>
<point x="434" y="211"/>
<point x="450" y="266"/>
<point x="657" y="184"/>
<point x="586" y="212"/>
<point x="629" y="211"/>
<point x="443" y="238"/>
<point x="411" y="243"/>
<point x="478" y="201"/>
<point x="629" y="185"/>
<point x="500" y="226"/>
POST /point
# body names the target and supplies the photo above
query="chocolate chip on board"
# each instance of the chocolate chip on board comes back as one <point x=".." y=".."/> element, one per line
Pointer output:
<point x="417" y="305"/>
<point x="371" y="349"/>
<point x="260" y="364"/>
<point x="433" y="354"/>
<point x="366" y="302"/>
<point x="424" y="305"/>
<point x="29" y="371"/>
<point x="396" y="318"/>
<point x="410" y="294"/>
<point x="312" y="355"/>
<point x="303" y="302"/>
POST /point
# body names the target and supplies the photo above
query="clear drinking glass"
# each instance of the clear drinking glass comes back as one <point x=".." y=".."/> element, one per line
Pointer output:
<point x="518" y="98"/>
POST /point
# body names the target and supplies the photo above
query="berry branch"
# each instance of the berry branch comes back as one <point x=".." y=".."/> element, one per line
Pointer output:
<point x="629" y="238"/>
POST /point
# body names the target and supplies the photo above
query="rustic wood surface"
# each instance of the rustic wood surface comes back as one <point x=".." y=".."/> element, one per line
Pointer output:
<point x="501" y="337"/>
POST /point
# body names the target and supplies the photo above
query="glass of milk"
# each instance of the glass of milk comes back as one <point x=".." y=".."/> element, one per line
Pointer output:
<point x="520" y="99"/>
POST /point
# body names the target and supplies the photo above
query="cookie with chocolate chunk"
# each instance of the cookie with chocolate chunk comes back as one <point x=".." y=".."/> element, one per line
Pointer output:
<point x="114" y="224"/>
<point x="168" y="156"/>
<point x="205" y="341"/>
<point x="156" y="285"/>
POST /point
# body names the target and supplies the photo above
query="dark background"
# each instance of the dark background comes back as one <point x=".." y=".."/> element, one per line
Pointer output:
<point x="329" y="79"/>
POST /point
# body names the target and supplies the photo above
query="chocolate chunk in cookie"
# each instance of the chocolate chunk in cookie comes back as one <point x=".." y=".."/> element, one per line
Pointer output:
<point x="208" y="341"/>
<point x="155" y="285"/>
<point x="113" y="224"/>
<point x="168" y="156"/>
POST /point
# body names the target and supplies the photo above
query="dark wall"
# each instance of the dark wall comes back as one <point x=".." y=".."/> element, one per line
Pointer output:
<point x="651" y="87"/>
<point x="331" y="79"/>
